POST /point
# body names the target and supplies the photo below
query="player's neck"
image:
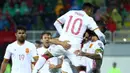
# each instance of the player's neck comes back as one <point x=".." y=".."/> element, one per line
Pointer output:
<point x="45" y="45"/>
<point x="20" y="43"/>
<point x="94" y="40"/>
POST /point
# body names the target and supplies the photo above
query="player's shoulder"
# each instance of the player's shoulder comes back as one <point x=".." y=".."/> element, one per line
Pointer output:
<point x="100" y="43"/>
<point x="29" y="43"/>
<point x="12" y="44"/>
<point x="87" y="43"/>
<point x="90" y="18"/>
<point x="39" y="49"/>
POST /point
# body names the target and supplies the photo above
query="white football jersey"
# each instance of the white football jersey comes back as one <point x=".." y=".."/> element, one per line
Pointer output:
<point x="41" y="50"/>
<point x="21" y="56"/>
<point x="54" y="60"/>
<point x="75" y="24"/>
<point x="91" y="47"/>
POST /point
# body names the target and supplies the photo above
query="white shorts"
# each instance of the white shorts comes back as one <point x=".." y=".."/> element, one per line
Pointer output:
<point x="57" y="50"/>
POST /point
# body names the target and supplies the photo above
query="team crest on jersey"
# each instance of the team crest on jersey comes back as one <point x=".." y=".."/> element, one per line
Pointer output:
<point x="27" y="50"/>
<point x="90" y="46"/>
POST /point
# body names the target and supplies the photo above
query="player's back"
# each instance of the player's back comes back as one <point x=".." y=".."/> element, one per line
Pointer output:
<point x="75" y="24"/>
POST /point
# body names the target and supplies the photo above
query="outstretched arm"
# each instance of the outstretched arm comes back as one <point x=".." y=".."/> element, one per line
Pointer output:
<point x="39" y="64"/>
<point x="96" y="56"/>
<point x="64" y="44"/>
<point x="100" y="35"/>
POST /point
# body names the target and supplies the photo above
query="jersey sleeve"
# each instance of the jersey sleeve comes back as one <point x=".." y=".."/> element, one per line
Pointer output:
<point x="92" y="24"/>
<point x="100" y="48"/>
<point x="8" y="52"/>
<point x="33" y="51"/>
<point x="63" y="18"/>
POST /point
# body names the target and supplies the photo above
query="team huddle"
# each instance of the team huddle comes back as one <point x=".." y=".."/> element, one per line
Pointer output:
<point x="78" y="49"/>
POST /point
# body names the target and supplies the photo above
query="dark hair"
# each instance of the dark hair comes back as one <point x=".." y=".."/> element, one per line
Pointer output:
<point x="21" y="28"/>
<point x="48" y="33"/>
<point x="85" y="5"/>
<point x="91" y="33"/>
<point x="38" y="42"/>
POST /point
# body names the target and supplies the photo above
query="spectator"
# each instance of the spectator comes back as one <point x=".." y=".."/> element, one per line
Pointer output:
<point x="6" y="7"/>
<point x="110" y="24"/>
<point x="4" y="24"/>
<point x="75" y="6"/>
<point x="114" y="69"/>
<point x="58" y="7"/>
<point x="117" y="19"/>
<point x="11" y="21"/>
<point x="11" y="11"/>
<point x="27" y="20"/>
<point x="18" y="18"/>
<point x="123" y="13"/>
<point x="16" y="7"/>
<point x="23" y="8"/>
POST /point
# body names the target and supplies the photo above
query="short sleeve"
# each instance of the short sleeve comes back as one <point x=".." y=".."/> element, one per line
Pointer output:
<point x="100" y="48"/>
<point x="8" y="52"/>
<point x="92" y="24"/>
<point x="63" y="18"/>
<point x="100" y="45"/>
<point x="33" y="51"/>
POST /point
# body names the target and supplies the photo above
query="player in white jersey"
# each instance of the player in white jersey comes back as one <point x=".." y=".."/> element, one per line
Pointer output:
<point x="75" y="24"/>
<point x="49" y="65"/>
<point x="92" y="53"/>
<point x="21" y="53"/>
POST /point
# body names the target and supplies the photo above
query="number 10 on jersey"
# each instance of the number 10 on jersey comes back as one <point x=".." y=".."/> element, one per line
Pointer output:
<point x="74" y="22"/>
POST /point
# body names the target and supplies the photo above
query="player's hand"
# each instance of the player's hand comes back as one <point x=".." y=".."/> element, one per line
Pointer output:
<point x="77" y="52"/>
<point x="65" y="45"/>
<point x="52" y="66"/>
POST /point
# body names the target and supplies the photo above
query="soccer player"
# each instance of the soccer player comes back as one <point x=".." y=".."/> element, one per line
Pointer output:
<point x="52" y="63"/>
<point x="21" y="53"/>
<point x="92" y="53"/>
<point x="76" y="22"/>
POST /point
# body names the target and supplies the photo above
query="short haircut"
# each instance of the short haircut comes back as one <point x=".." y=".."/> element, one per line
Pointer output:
<point x="48" y="33"/>
<point x="38" y="42"/>
<point x="91" y="33"/>
<point x="21" y="28"/>
<point x="85" y="5"/>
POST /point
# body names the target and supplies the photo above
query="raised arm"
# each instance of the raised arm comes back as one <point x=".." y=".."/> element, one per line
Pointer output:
<point x="93" y="26"/>
<point x="64" y="44"/>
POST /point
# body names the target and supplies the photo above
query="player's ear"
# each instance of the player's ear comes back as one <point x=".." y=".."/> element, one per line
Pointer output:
<point x="15" y="34"/>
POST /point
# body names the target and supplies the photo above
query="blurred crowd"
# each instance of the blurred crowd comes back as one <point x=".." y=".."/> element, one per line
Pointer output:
<point x="40" y="14"/>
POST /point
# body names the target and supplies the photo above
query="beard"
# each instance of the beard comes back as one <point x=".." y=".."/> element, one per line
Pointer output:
<point x="21" y="40"/>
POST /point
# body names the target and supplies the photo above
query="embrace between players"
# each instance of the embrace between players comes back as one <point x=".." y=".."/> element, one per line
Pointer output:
<point x="84" y="59"/>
